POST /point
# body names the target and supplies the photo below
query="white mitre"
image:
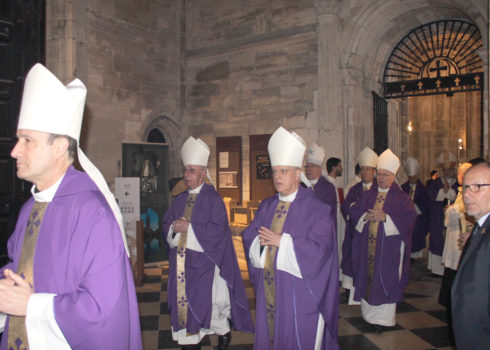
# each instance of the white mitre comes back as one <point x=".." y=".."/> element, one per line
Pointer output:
<point x="412" y="166"/>
<point x="286" y="148"/>
<point x="367" y="157"/>
<point x="446" y="159"/>
<point x="388" y="161"/>
<point x="51" y="107"/>
<point x="195" y="152"/>
<point x="315" y="155"/>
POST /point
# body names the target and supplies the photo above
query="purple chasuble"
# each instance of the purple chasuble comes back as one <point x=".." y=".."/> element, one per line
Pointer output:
<point x="421" y="198"/>
<point x="210" y="224"/>
<point x="299" y="301"/>
<point x="353" y="196"/>
<point x="436" y="216"/>
<point x="387" y="285"/>
<point x="80" y="257"/>
<point x="325" y="191"/>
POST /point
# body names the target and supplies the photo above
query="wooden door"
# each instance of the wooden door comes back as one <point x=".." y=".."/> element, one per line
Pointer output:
<point x="21" y="46"/>
<point x="261" y="185"/>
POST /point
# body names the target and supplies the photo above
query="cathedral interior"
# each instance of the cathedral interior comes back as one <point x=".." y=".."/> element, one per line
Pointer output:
<point x="411" y="76"/>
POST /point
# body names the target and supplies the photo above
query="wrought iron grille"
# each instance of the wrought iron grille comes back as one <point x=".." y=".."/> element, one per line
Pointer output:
<point x="438" y="57"/>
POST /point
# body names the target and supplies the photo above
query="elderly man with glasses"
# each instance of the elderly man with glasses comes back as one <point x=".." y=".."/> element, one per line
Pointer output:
<point x="381" y="245"/>
<point x="292" y="257"/>
<point x="470" y="293"/>
<point x="205" y="289"/>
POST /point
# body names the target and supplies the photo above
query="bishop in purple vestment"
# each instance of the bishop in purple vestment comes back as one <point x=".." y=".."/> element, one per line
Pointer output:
<point x="69" y="284"/>
<point x="353" y="196"/>
<point x="367" y="160"/>
<point x="302" y="271"/>
<point x="80" y="258"/>
<point x="381" y="245"/>
<point x="323" y="189"/>
<point x="208" y="281"/>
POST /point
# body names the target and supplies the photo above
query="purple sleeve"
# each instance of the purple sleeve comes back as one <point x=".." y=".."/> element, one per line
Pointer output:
<point x="101" y="310"/>
<point x="316" y="253"/>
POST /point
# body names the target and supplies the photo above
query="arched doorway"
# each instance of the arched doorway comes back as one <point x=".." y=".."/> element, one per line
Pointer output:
<point x="155" y="135"/>
<point x="436" y="72"/>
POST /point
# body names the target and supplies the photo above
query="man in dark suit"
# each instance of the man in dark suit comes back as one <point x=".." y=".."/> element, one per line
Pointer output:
<point x="470" y="291"/>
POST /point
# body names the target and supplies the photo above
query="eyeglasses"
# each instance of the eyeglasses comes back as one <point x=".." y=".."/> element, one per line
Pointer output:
<point x="384" y="175"/>
<point x="473" y="187"/>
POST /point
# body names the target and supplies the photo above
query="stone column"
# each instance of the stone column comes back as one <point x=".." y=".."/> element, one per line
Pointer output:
<point x="354" y="121"/>
<point x="330" y="115"/>
<point x="65" y="34"/>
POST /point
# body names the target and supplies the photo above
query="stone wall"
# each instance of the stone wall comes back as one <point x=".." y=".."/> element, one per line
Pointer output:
<point x="127" y="54"/>
<point x="237" y="68"/>
<point x="250" y="67"/>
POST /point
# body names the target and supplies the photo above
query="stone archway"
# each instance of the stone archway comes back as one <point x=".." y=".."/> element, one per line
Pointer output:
<point x="172" y="133"/>
<point x="370" y="36"/>
<point x="440" y="91"/>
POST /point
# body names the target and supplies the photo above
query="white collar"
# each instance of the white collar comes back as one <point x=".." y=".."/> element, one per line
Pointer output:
<point x="289" y="198"/>
<point x="197" y="189"/>
<point x="383" y="189"/>
<point x="481" y="220"/>
<point x="313" y="182"/>
<point x="48" y="194"/>
<point x="368" y="185"/>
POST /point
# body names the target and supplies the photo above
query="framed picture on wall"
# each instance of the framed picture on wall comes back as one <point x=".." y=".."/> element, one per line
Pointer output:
<point x="228" y="179"/>
<point x="264" y="170"/>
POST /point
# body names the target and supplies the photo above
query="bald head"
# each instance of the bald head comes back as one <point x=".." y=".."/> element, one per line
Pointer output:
<point x="476" y="190"/>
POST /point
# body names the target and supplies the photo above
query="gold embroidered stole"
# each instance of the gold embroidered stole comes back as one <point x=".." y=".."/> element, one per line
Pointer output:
<point x="269" y="281"/>
<point x="372" y="237"/>
<point x="180" y="268"/>
<point x="17" y="335"/>
<point x="411" y="192"/>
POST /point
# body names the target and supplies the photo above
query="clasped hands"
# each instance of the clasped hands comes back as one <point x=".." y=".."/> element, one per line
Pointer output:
<point x="375" y="215"/>
<point x="14" y="294"/>
<point x="181" y="225"/>
<point x="268" y="237"/>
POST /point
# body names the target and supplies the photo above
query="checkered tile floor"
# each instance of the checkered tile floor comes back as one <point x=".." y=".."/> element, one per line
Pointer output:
<point x="421" y="321"/>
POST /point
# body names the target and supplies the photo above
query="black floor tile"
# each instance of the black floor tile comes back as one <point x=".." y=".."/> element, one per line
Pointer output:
<point x="440" y="315"/>
<point x="413" y="296"/>
<point x="152" y="279"/>
<point x="165" y="340"/>
<point x="356" y="342"/>
<point x="405" y="307"/>
<point x="148" y="297"/>
<point x="241" y="347"/>
<point x="164" y="309"/>
<point x="344" y="296"/>
<point x="439" y="337"/>
<point x="149" y="323"/>
<point x="364" y="327"/>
